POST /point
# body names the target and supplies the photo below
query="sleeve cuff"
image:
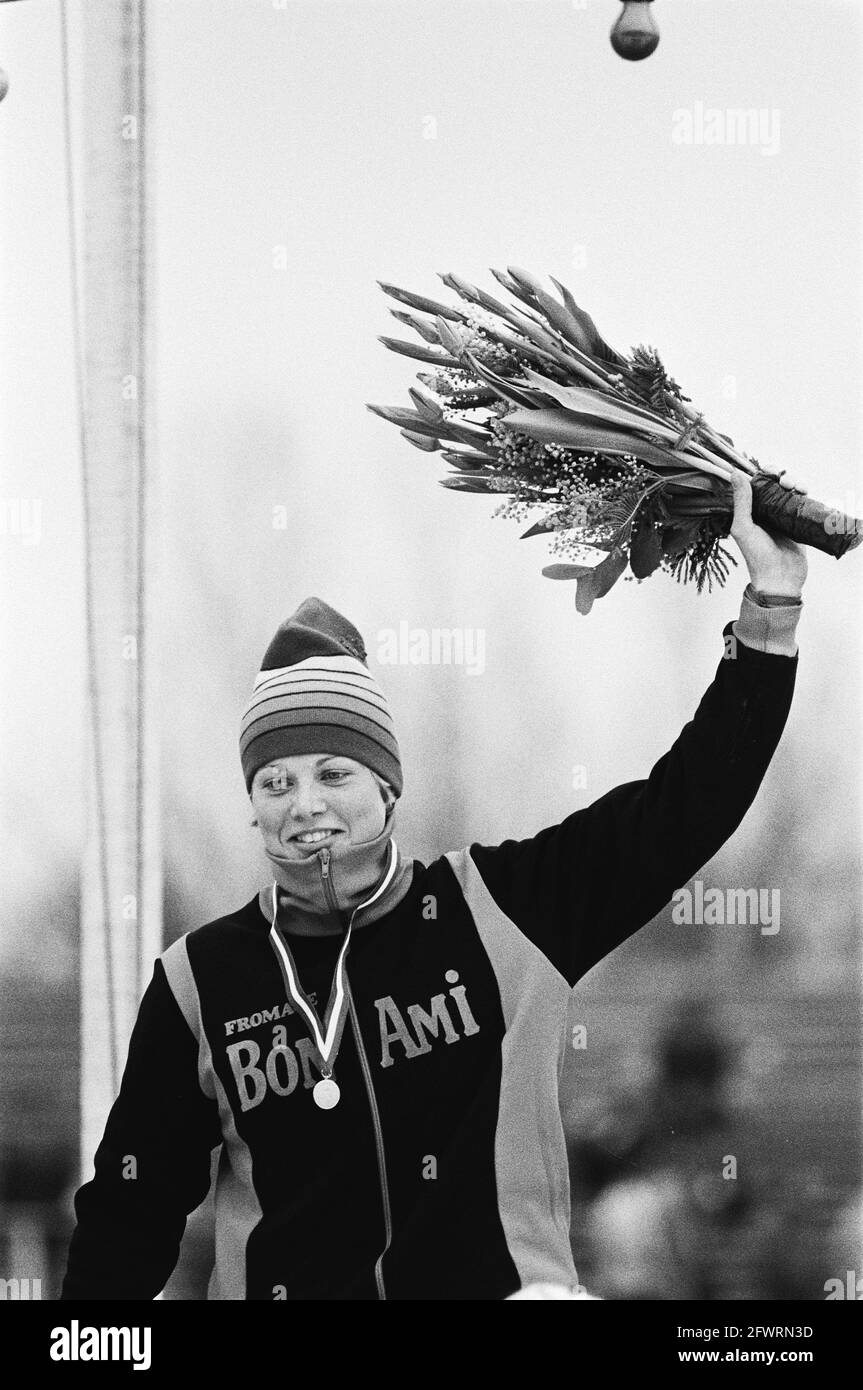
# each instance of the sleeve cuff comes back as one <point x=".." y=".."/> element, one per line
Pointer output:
<point x="768" y="629"/>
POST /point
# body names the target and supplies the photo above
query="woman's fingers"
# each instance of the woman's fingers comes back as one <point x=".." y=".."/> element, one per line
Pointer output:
<point x="785" y="481"/>
<point x="742" y="489"/>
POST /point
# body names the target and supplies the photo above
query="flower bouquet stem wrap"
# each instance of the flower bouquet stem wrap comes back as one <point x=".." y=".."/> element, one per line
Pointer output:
<point x="603" y="452"/>
<point x="792" y="513"/>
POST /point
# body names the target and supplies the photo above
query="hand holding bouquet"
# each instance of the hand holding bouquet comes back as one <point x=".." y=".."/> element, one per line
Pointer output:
<point x="528" y="400"/>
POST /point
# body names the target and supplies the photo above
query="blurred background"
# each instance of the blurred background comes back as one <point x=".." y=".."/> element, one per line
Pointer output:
<point x="298" y="152"/>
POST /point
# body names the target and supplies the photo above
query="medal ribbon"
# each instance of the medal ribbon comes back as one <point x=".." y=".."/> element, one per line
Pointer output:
<point x="327" y="1039"/>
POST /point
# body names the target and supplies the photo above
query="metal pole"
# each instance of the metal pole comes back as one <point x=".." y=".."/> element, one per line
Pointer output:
<point x="121" y="871"/>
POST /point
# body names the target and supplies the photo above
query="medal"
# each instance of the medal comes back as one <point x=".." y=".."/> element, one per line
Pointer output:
<point x="326" y="1093"/>
<point x="328" y="1037"/>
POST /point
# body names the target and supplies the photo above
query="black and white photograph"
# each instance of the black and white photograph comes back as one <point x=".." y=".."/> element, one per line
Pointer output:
<point x="430" y="709"/>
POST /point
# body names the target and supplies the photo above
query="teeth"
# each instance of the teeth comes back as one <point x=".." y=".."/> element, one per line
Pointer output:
<point x="311" y="837"/>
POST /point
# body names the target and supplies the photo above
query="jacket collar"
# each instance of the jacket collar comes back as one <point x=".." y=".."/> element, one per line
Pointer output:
<point x="308" y="902"/>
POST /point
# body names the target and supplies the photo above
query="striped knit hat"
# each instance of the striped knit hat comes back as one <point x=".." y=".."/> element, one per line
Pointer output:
<point x="315" y="694"/>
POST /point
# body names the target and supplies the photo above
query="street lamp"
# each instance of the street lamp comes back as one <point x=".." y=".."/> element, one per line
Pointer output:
<point x="635" y="35"/>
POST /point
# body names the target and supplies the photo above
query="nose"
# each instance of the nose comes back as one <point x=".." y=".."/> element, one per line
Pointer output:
<point x="307" y="800"/>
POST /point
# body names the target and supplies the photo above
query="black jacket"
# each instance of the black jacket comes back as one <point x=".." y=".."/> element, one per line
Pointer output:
<point x="442" y="1172"/>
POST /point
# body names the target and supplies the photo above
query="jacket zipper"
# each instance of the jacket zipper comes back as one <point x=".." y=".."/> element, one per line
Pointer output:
<point x="329" y="894"/>
<point x="379" y="1144"/>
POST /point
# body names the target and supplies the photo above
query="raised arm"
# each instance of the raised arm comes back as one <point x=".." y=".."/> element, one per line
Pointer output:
<point x="580" y="888"/>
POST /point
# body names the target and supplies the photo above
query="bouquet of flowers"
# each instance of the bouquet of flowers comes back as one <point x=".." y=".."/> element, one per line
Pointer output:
<point x="603" y="450"/>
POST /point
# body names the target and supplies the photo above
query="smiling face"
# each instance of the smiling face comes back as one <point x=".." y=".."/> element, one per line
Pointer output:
<point x="316" y="800"/>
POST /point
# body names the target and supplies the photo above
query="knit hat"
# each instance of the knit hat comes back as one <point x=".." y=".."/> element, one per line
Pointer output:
<point x="315" y="694"/>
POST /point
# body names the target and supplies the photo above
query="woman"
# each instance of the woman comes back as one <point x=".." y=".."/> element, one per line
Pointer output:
<point x="376" y="1043"/>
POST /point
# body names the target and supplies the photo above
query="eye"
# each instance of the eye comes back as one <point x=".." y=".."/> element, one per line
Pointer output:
<point x="335" y="774"/>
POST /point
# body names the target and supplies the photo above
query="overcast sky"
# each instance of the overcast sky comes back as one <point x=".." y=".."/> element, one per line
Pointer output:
<point x="390" y="139"/>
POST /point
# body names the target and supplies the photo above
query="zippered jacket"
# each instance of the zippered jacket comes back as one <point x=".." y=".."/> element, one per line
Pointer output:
<point x="442" y="1171"/>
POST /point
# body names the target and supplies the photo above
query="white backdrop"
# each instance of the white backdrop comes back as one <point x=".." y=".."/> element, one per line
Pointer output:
<point x="389" y="139"/>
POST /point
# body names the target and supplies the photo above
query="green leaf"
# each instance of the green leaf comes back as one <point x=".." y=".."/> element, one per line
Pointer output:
<point x="609" y="571"/>
<point x="678" y="538"/>
<point x="568" y="324"/>
<point x="567" y="571"/>
<point x="494" y="306"/>
<point x="467" y="483"/>
<point x="563" y="427"/>
<point x="461" y="432"/>
<point x="539" y="528"/>
<point x="507" y="281"/>
<point x="600" y="348"/>
<point x="426" y="403"/>
<point x="524" y="296"/>
<point x="462" y="287"/>
<point x="419" y="353"/>
<point x="593" y="581"/>
<point x="525" y="278"/>
<point x="457" y="433"/>
<point x="405" y="419"/>
<point x="474" y="295"/>
<point x="504" y="386"/>
<point x="537" y="333"/>
<point x="599" y="405"/>
<point x="688" y="482"/>
<point x="467" y="458"/>
<point x="601" y="578"/>
<point x="426" y="306"/>
<point x="522" y="347"/>
<point x="568" y="319"/>
<point x="547" y="524"/>
<point x="425" y="330"/>
<point x="565" y="355"/>
<point x="620" y="511"/>
<point x="450" y="340"/>
<point x="645" y="551"/>
<point x="421" y="441"/>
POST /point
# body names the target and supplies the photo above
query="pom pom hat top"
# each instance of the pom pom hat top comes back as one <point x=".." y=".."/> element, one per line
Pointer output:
<point x="315" y="694"/>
